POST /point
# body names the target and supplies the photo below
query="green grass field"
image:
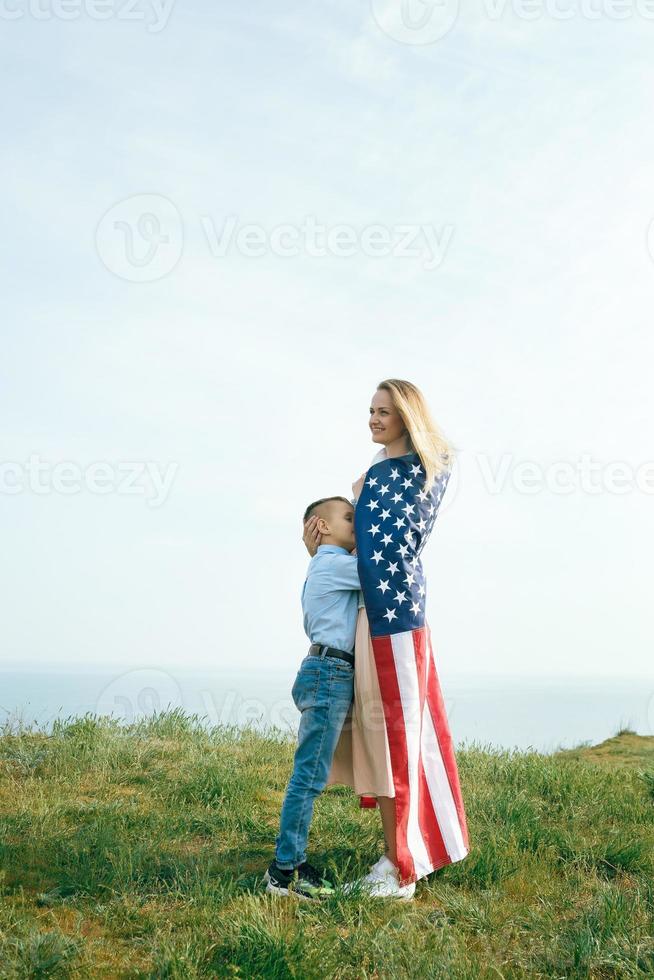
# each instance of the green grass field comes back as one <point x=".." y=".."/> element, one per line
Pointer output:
<point x="138" y="851"/>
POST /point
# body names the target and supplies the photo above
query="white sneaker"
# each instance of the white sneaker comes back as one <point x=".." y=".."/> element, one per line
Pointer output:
<point x="382" y="881"/>
<point x="378" y="865"/>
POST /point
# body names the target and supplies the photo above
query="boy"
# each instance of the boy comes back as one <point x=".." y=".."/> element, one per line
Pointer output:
<point x="322" y="692"/>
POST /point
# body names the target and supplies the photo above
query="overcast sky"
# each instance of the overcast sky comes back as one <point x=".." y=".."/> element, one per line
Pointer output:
<point x="148" y="330"/>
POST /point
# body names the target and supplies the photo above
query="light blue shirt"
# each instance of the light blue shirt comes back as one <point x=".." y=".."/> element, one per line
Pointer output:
<point x="331" y="596"/>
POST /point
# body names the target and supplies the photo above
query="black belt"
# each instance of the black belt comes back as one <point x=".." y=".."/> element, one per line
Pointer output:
<point x="317" y="649"/>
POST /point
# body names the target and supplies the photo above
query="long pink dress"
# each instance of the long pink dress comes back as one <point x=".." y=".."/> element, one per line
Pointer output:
<point x="362" y="759"/>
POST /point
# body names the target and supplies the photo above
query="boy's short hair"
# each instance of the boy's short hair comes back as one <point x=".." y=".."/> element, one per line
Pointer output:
<point x="311" y="509"/>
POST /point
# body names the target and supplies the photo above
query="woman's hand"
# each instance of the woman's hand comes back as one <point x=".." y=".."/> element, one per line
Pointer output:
<point x="312" y="536"/>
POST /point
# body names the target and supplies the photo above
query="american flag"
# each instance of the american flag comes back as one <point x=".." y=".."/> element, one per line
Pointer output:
<point x="393" y="519"/>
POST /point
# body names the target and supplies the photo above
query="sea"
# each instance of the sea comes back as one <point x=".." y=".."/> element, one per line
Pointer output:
<point x="544" y="713"/>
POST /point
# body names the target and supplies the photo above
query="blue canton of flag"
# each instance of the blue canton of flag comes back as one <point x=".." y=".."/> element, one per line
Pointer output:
<point x="392" y="520"/>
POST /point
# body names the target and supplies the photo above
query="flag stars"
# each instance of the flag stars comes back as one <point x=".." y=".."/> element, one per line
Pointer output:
<point x="406" y="510"/>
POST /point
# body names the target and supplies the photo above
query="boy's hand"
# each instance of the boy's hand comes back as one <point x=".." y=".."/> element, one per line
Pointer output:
<point x="312" y="536"/>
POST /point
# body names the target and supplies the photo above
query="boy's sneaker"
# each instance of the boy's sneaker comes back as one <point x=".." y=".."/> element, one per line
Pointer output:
<point x="304" y="882"/>
<point x="382" y="881"/>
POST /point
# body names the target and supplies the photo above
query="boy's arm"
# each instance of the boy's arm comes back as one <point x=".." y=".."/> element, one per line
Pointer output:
<point x="343" y="573"/>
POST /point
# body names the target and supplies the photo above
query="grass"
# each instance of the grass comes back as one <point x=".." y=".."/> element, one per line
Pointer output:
<point x="137" y="851"/>
<point x="624" y="749"/>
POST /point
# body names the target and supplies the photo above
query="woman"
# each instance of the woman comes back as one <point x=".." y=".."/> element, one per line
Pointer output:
<point x="397" y="753"/>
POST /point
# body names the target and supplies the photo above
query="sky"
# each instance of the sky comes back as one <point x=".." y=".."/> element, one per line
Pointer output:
<point x="224" y="224"/>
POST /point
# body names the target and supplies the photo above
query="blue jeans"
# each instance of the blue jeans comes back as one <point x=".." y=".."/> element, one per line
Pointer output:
<point x="323" y="692"/>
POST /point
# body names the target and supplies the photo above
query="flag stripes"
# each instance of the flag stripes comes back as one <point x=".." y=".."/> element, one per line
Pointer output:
<point x="431" y="829"/>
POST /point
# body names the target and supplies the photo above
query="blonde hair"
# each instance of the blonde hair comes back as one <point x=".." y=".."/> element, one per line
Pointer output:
<point x="425" y="437"/>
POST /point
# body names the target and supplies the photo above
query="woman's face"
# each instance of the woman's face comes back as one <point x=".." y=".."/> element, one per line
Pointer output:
<point x="385" y="422"/>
